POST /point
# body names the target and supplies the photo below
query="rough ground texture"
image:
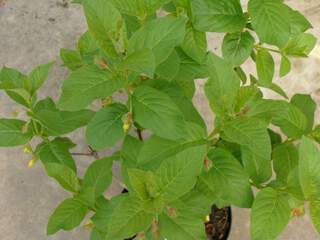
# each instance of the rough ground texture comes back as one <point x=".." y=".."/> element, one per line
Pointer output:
<point x="32" y="32"/>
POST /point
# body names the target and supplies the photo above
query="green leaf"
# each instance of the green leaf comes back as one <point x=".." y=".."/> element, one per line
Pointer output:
<point x="178" y="174"/>
<point x="255" y="143"/>
<point x="226" y="183"/>
<point x="123" y="218"/>
<point x="218" y="15"/>
<point x="285" y="66"/>
<point x="175" y="92"/>
<point x="315" y="214"/>
<point x="56" y="151"/>
<point x="138" y="8"/>
<point x="87" y="84"/>
<point x="68" y="215"/>
<point x="288" y="117"/>
<point x="98" y="176"/>
<point x="154" y="110"/>
<point x="298" y="23"/>
<point x="265" y="67"/>
<point x="71" y="59"/>
<point x="20" y="96"/>
<point x="222" y="86"/>
<point x="39" y="75"/>
<point x="308" y="106"/>
<point x="106" y="25"/>
<point x="271" y="21"/>
<point x="56" y="122"/>
<point x="12" y="79"/>
<point x="246" y="95"/>
<point x="13" y="133"/>
<point x="309" y="167"/>
<point x="157" y="149"/>
<point x="87" y="47"/>
<point x="144" y="183"/>
<point x="170" y="67"/>
<point x="301" y="45"/>
<point x="181" y="227"/>
<point x="270" y="214"/>
<point x="141" y="61"/>
<point x="105" y="128"/>
<point x="195" y="44"/>
<point x="237" y="47"/>
<point x="160" y="35"/>
<point x="285" y="159"/>
<point x="64" y="175"/>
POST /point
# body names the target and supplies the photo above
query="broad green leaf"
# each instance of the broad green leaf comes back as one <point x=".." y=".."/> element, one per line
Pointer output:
<point x="56" y="122"/>
<point x="20" y="96"/>
<point x="271" y="21"/>
<point x="98" y="176"/>
<point x="222" y="86"/>
<point x="288" y="117"/>
<point x="270" y="214"/>
<point x="170" y="67"/>
<point x="138" y="8"/>
<point x="265" y="67"/>
<point x="285" y="66"/>
<point x="124" y="218"/>
<point x="181" y="227"/>
<point x="87" y="44"/>
<point x="38" y="76"/>
<point x="218" y="15"/>
<point x="64" y="175"/>
<point x="144" y="183"/>
<point x="141" y="61"/>
<point x="315" y="214"/>
<point x="68" y="215"/>
<point x="226" y="182"/>
<point x="87" y="84"/>
<point x="105" y="128"/>
<point x="298" y="23"/>
<point x="178" y="174"/>
<point x="307" y="105"/>
<point x="301" y="45"/>
<point x="13" y="132"/>
<point x="246" y="95"/>
<point x="237" y="47"/>
<point x="129" y="155"/>
<point x="12" y="79"/>
<point x="175" y="92"/>
<point x="71" y="59"/>
<point x="106" y="25"/>
<point x="130" y="150"/>
<point x="160" y="35"/>
<point x="309" y="167"/>
<point x="285" y="159"/>
<point x="195" y="44"/>
<point x="157" y="149"/>
<point x="56" y="151"/>
<point x="155" y="110"/>
<point x="255" y="143"/>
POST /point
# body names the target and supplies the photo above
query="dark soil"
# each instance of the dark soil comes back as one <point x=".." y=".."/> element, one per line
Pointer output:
<point x="218" y="227"/>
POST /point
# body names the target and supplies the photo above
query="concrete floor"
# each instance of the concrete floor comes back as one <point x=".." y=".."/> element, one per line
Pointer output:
<point x="31" y="33"/>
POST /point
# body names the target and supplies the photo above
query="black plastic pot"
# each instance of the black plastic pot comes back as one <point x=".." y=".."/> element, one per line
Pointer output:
<point x="219" y="225"/>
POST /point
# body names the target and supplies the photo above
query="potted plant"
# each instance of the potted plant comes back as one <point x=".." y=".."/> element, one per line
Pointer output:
<point x="173" y="168"/>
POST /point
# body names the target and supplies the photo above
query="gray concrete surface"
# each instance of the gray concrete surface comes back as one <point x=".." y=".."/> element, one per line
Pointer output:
<point x="32" y="32"/>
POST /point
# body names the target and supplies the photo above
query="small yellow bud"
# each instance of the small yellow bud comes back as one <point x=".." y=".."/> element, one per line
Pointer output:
<point x="27" y="149"/>
<point x="88" y="225"/>
<point x="126" y="127"/>
<point x="207" y="218"/>
<point x="31" y="163"/>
